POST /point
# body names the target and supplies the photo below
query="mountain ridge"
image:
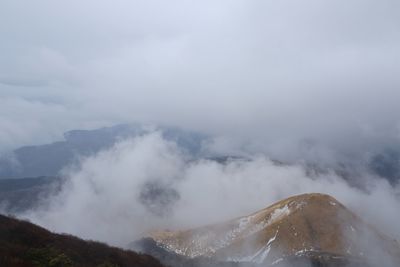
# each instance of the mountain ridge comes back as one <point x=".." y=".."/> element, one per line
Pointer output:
<point x="296" y="226"/>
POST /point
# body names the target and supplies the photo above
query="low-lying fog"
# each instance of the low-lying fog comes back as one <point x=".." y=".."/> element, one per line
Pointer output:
<point x="148" y="183"/>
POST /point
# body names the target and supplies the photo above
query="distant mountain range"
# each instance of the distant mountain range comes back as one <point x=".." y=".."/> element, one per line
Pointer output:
<point x="311" y="228"/>
<point x="50" y="159"/>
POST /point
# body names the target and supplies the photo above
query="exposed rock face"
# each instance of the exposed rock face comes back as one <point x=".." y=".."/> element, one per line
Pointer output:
<point x="309" y="225"/>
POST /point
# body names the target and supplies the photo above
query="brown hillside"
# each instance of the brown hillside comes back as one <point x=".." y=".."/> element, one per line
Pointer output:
<point x="296" y="226"/>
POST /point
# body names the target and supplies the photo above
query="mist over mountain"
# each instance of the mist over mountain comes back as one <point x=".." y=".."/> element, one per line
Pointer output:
<point x="118" y="119"/>
<point x="148" y="183"/>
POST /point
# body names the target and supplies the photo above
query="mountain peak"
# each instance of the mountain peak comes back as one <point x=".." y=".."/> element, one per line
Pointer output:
<point x="298" y="226"/>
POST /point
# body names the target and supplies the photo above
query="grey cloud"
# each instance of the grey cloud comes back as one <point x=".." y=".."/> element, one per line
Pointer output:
<point x="266" y="73"/>
<point x="22" y="82"/>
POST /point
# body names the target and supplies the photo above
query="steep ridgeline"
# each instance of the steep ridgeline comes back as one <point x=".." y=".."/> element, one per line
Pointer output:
<point x="312" y="227"/>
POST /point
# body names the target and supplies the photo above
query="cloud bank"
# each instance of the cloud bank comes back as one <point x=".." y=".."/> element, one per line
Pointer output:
<point x="147" y="183"/>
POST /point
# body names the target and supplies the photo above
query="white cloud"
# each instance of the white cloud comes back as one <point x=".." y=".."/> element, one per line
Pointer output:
<point x="104" y="199"/>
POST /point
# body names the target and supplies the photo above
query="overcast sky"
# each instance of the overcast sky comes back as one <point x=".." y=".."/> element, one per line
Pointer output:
<point x="273" y="72"/>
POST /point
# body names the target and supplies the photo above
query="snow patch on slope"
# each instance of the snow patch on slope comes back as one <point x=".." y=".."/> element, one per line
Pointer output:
<point x="278" y="214"/>
<point x="259" y="256"/>
<point x="245" y="227"/>
<point x="207" y="243"/>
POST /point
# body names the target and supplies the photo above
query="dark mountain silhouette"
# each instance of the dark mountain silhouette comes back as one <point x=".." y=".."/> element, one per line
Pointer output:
<point x="25" y="244"/>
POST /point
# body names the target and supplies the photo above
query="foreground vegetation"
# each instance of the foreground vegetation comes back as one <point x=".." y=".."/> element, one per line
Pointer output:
<point x="25" y="244"/>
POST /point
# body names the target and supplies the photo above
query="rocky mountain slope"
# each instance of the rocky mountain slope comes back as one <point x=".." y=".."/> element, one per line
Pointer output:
<point x="311" y="226"/>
